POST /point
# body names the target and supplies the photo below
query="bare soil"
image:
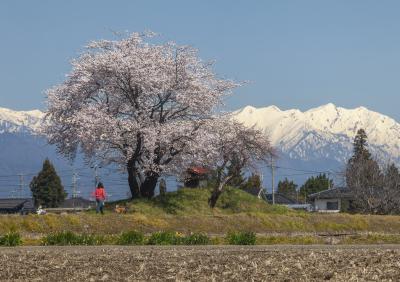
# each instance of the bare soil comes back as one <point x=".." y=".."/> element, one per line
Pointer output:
<point x="206" y="263"/>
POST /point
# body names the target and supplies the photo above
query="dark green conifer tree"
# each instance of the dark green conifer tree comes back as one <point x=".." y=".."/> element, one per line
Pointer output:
<point x="235" y="169"/>
<point x="253" y="182"/>
<point x="46" y="187"/>
<point x="315" y="185"/>
<point x="362" y="171"/>
<point x="287" y="188"/>
<point x="360" y="146"/>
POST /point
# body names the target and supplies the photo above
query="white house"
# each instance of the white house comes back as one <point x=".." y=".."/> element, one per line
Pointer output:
<point x="332" y="200"/>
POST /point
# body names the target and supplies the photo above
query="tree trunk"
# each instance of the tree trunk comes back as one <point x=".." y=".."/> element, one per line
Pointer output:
<point x="212" y="201"/>
<point x="132" y="180"/>
<point x="149" y="186"/>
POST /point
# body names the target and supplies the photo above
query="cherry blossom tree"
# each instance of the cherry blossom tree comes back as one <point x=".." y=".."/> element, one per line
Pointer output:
<point x="231" y="141"/>
<point x="136" y="104"/>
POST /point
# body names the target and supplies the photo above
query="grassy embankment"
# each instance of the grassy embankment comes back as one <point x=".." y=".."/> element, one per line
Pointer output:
<point x="187" y="211"/>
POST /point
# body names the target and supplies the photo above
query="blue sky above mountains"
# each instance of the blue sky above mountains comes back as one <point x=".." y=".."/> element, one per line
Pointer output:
<point x="296" y="54"/>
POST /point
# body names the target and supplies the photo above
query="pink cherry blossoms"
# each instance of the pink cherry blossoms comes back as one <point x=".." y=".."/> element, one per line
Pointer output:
<point x="147" y="107"/>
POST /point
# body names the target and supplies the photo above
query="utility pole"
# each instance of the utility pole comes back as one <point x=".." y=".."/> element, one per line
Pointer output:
<point x="261" y="184"/>
<point x="74" y="184"/>
<point x="273" y="180"/>
<point x="21" y="185"/>
<point x="329" y="180"/>
<point x="96" y="175"/>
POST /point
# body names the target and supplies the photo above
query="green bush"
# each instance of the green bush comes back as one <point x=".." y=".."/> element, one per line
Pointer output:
<point x="130" y="238"/>
<point x="10" y="239"/>
<point x="165" y="238"/>
<point x="196" y="239"/>
<point x="65" y="238"/>
<point x="241" y="238"/>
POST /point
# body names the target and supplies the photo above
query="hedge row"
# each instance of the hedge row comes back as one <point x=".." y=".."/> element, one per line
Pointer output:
<point x="68" y="238"/>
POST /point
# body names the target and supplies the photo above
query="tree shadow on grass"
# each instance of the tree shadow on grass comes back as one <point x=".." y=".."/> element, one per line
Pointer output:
<point x="167" y="203"/>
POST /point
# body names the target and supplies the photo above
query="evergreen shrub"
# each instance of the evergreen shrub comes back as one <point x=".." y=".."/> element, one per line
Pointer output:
<point x="166" y="238"/>
<point x="197" y="239"/>
<point x="68" y="238"/>
<point x="131" y="238"/>
<point x="241" y="238"/>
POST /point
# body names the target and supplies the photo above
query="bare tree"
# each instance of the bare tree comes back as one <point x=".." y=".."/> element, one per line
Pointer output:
<point x="375" y="190"/>
<point x="365" y="180"/>
<point x="389" y="195"/>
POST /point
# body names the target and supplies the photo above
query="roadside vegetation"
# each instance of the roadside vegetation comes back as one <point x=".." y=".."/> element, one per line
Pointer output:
<point x="10" y="239"/>
<point x="184" y="217"/>
<point x="169" y="238"/>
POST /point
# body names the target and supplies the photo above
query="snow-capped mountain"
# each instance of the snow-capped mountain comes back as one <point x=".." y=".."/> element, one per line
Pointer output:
<point x="325" y="133"/>
<point x="319" y="139"/>
<point x="23" y="150"/>
<point x="20" y="121"/>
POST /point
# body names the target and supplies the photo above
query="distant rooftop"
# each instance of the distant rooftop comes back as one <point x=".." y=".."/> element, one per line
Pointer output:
<point x="339" y="192"/>
<point x="16" y="205"/>
<point x="281" y="199"/>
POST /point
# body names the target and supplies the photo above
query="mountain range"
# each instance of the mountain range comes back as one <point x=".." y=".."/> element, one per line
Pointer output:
<point x="308" y="142"/>
<point x="320" y="139"/>
<point x="326" y="132"/>
<point x="23" y="150"/>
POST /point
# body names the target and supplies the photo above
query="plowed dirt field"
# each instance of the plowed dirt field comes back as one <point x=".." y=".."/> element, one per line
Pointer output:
<point x="207" y="263"/>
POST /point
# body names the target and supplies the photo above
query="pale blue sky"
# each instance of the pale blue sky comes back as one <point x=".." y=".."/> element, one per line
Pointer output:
<point x="297" y="54"/>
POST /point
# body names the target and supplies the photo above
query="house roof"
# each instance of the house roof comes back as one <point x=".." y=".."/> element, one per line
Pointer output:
<point x="10" y="204"/>
<point x="198" y="170"/>
<point x="339" y="192"/>
<point x="252" y="190"/>
<point x="281" y="199"/>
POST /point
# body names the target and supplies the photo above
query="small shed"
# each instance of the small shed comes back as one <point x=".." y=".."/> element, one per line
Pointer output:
<point x="196" y="177"/>
<point x="332" y="200"/>
<point x="17" y="205"/>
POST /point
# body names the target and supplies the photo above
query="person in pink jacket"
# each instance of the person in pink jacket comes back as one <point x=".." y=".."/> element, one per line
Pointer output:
<point x="100" y="196"/>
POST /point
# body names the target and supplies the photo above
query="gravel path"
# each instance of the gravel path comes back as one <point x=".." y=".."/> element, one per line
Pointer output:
<point x="218" y="263"/>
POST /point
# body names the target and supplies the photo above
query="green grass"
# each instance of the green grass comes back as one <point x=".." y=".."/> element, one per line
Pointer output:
<point x="186" y="211"/>
<point x="68" y="238"/>
<point x="197" y="239"/>
<point x="372" y="238"/>
<point x="289" y="240"/>
<point x="165" y="238"/>
<point x="131" y="238"/>
<point x="195" y="202"/>
<point x="11" y="239"/>
<point x="241" y="238"/>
